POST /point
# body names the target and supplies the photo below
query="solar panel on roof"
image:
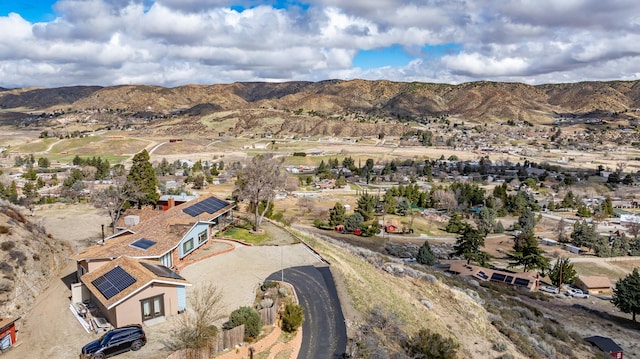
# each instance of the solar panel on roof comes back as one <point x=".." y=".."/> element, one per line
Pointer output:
<point x="522" y="282"/>
<point x="113" y="282"/>
<point x="161" y="271"/>
<point x="483" y="275"/>
<point x="499" y="277"/>
<point x="509" y="279"/>
<point x="210" y="205"/>
<point x="143" y="243"/>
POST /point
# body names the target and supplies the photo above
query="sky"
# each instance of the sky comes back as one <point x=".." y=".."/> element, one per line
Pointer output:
<point x="52" y="43"/>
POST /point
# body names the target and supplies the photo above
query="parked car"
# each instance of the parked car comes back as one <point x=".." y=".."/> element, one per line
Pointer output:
<point x="115" y="341"/>
<point x="575" y="292"/>
<point x="549" y="289"/>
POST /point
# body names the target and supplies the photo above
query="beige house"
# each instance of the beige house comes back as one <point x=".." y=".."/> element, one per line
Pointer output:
<point x="168" y="237"/>
<point x="594" y="284"/>
<point x="131" y="291"/>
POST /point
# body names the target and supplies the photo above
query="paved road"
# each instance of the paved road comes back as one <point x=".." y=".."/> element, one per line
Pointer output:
<point x="324" y="334"/>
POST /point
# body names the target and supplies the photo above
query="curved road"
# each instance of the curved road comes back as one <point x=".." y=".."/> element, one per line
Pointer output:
<point x="324" y="334"/>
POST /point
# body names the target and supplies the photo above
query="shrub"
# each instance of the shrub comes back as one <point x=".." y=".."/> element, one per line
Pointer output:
<point x="4" y="230"/>
<point x="266" y="303"/>
<point x="18" y="256"/>
<point x="426" y="344"/>
<point x="500" y="346"/>
<point x="249" y="317"/>
<point x="8" y="245"/>
<point x="292" y="317"/>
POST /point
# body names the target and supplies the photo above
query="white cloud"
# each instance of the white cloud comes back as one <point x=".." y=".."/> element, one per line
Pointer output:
<point x="174" y="42"/>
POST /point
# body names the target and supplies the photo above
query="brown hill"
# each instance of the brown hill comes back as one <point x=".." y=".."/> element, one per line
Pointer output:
<point x="28" y="257"/>
<point x="475" y="101"/>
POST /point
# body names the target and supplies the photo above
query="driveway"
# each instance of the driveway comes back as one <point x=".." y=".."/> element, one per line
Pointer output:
<point x="49" y="330"/>
<point x="324" y="334"/>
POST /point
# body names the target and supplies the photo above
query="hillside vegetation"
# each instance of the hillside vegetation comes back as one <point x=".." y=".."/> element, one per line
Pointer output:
<point x="481" y="101"/>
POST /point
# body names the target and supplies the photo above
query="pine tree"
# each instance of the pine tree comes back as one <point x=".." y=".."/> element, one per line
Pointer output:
<point x="468" y="246"/>
<point x="337" y="215"/>
<point x="626" y="294"/>
<point x="425" y="255"/>
<point x="562" y="272"/>
<point x="143" y="177"/>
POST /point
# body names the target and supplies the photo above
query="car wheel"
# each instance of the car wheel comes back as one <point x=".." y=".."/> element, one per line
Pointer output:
<point x="98" y="356"/>
<point x="136" y="345"/>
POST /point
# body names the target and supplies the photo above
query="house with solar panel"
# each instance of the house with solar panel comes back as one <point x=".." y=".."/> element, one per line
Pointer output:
<point x="525" y="280"/>
<point x="168" y="238"/>
<point x="133" y="291"/>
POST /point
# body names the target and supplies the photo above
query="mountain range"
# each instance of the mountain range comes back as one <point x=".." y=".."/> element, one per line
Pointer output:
<point x="475" y="101"/>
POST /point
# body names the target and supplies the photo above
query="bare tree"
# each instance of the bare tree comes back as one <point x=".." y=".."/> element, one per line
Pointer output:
<point x="259" y="182"/>
<point x="633" y="228"/>
<point x="196" y="328"/>
<point x="620" y="166"/>
<point x="445" y="199"/>
<point x="305" y="204"/>
<point x="115" y="198"/>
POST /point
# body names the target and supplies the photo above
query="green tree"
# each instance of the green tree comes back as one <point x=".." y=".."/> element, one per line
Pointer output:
<point x="366" y="206"/>
<point x="250" y="318"/>
<point x="143" y="177"/>
<point x="527" y="253"/>
<point x="389" y="203"/>
<point x="626" y="294"/>
<point x="569" y="201"/>
<point x="486" y="220"/>
<point x="527" y="221"/>
<point x="584" y="235"/>
<point x="403" y="206"/>
<point x="607" y="207"/>
<point x="455" y="224"/>
<point x="259" y="181"/>
<point x="425" y="255"/>
<point x="583" y="211"/>
<point x="44" y="162"/>
<point x="353" y="222"/>
<point x="468" y="246"/>
<point x="292" y="317"/>
<point x="337" y="215"/>
<point x="562" y="272"/>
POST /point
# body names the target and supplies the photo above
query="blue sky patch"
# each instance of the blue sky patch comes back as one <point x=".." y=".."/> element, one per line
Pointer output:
<point x="30" y="10"/>
<point x="388" y="56"/>
<point x="278" y="4"/>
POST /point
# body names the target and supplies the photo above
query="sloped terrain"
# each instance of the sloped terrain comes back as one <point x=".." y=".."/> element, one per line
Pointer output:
<point x="476" y="101"/>
<point x="28" y="257"/>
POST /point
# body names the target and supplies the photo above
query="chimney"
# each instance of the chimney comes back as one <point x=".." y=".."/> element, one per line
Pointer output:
<point x="172" y="202"/>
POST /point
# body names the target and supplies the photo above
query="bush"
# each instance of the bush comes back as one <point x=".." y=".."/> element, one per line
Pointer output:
<point x="4" y="230"/>
<point x="249" y="317"/>
<point x="8" y="245"/>
<point x="426" y="255"/>
<point x="292" y="317"/>
<point x="426" y="344"/>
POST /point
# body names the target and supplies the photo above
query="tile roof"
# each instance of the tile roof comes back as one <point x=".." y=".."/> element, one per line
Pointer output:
<point x="166" y="229"/>
<point x="134" y="268"/>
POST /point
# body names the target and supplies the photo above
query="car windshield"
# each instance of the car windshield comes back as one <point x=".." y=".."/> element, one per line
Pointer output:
<point x="103" y="339"/>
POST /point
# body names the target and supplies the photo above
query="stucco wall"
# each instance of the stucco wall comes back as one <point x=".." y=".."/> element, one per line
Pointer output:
<point x="130" y="311"/>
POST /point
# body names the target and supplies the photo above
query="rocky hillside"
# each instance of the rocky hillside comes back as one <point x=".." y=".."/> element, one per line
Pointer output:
<point x="28" y="257"/>
<point x="476" y="101"/>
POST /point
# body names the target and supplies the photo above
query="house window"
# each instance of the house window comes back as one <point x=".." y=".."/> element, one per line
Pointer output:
<point x="202" y="237"/>
<point x="152" y="307"/>
<point x="187" y="246"/>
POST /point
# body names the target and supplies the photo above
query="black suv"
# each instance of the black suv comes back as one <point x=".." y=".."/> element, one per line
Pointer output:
<point x="115" y="341"/>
